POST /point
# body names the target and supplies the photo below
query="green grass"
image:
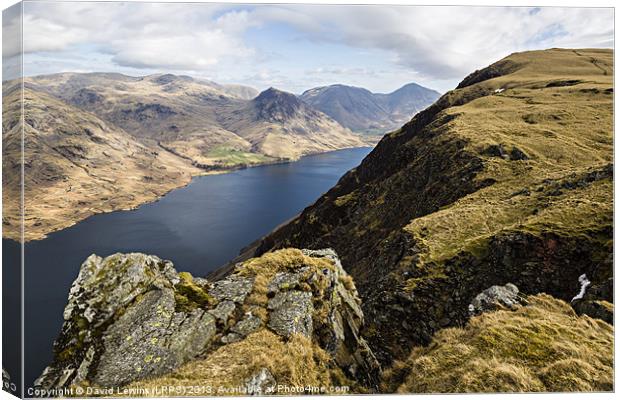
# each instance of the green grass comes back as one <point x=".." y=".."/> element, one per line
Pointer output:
<point x="230" y="156"/>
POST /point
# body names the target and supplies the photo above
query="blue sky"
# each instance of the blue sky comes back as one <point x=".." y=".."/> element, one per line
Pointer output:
<point x="293" y="47"/>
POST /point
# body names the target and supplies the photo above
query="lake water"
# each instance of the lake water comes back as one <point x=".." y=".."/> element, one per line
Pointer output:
<point x="199" y="227"/>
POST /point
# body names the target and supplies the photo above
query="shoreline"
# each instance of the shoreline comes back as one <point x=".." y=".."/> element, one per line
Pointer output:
<point x="156" y="198"/>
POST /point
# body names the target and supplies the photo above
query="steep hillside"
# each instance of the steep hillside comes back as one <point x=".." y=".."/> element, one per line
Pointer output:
<point x="75" y="165"/>
<point x="507" y="178"/>
<point x="278" y="124"/>
<point x="360" y="110"/>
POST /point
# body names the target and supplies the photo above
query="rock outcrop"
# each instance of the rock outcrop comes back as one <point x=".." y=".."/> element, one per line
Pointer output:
<point x="494" y="298"/>
<point x="596" y="301"/>
<point x="133" y="316"/>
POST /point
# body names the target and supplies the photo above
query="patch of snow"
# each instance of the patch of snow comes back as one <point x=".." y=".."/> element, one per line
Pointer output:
<point x="499" y="90"/>
<point x="583" y="280"/>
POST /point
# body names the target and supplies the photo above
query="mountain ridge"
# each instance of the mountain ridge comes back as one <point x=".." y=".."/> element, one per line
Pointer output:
<point x="178" y="125"/>
<point x="361" y="110"/>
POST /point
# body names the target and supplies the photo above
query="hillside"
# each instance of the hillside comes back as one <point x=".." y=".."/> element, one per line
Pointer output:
<point x="526" y="350"/>
<point x="507" y="178"/>
<point x="101" y="142"/>
<point x="363" y="111"/>
<point x="201" y="121"/>
<point x="75" y="165"/>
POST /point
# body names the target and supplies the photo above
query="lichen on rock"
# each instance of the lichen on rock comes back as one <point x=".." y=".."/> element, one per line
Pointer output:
<point x="132" y="318"/>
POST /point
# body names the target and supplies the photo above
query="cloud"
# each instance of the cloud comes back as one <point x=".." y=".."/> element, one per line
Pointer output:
<point x="438" y="43"/>
<point x="448" y="42"/>
<point x="140" y="35"/>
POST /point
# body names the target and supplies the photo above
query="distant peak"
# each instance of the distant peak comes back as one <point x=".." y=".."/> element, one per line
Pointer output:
<point x="275" y="104"/>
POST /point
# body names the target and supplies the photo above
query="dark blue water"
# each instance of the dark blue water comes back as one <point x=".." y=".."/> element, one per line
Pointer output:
<point x="199" y="227"/>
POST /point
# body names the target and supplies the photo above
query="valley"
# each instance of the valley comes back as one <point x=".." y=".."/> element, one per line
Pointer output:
<point x="99" y="142"/>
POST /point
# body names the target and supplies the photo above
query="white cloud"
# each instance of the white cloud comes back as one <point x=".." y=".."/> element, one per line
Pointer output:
<point x="140" y="35"/>
<point x="435" y="44"/>
<point x="448" y="42"/>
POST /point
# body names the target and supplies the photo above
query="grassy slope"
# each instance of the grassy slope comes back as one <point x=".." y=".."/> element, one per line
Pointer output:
<point x="76" y="165"/>
<point x="481" y="188"/>
<point x="564" y="131"/>
<point x="541" y="347"/>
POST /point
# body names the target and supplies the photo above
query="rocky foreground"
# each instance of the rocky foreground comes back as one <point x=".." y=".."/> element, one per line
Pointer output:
<point x="291" y="317"/>
<point x="291" y="321"/>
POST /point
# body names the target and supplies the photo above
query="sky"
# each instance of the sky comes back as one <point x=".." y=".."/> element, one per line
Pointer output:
<point x="291" y="47"/>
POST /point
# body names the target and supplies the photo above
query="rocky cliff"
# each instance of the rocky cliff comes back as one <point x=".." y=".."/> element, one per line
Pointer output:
<point x="290" y="316"/>
<point x="507" y="178"/>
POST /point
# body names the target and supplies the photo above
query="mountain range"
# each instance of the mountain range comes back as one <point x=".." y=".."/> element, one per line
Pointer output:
<point x="106" y="141"/>
<point x="363" y="111"/>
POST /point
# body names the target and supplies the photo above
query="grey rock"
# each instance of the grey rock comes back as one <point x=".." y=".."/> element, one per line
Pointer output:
<point x="202" y="282"/>
<point x="596" y="309"/>
<point x="97" y="294"/>
<point x="494" y="298"/>
<point x="340" y="335"/>
<point x="286" y="280"/>
<point x="122" y="313"/>
<point x="223" y="310"/>
<point x="261" y="383"/>
<point x="151" y="339"/>
<point x="234" y="288"/>
<point x="291" y="312"/>
<point x="247" y="325"/>
<point x="231" y="338"/>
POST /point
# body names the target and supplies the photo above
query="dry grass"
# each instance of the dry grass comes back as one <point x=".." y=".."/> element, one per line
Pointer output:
<point x="565" y="131"/>
<point x="264" y="269"/>
<point x="297" y="362"/>
<point x="76" y="165"/>
<point x="541" y="347"/>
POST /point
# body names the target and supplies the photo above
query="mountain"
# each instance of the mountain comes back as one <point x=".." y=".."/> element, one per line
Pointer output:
<point x="473" y="253"/>
<point x="507" y="178"/>
<point x="105" y="141"/>
<point x="363" y="111"/>
<point x="277" y="123"/>
<point x="199" y="120"/>
<point x="75" y="165"/>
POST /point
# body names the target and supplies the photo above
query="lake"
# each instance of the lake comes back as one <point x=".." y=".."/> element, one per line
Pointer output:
<point x="199" y="228"/>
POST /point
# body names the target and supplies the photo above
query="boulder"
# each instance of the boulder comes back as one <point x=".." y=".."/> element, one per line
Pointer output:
<point x="121" y="324"/>
<point x="494" y="298"/>
<point x="291" y="312"/>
